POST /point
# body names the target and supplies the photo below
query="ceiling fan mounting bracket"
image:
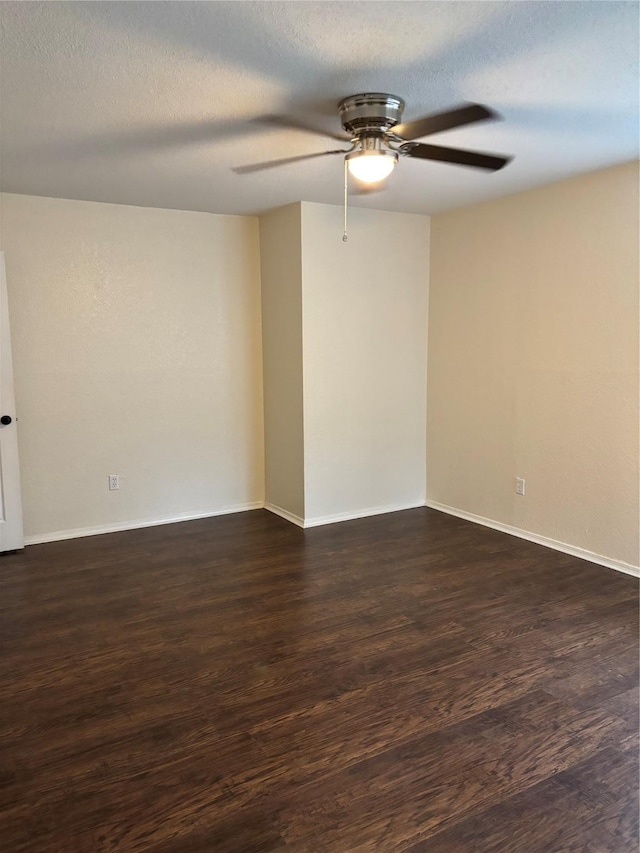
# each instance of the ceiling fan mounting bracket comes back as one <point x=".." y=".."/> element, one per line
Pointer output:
<point x="373" y="112"/>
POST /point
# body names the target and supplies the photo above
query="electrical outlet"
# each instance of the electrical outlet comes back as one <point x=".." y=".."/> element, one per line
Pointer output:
<point x="114" y="482"/>
<point x="520" y="483"/>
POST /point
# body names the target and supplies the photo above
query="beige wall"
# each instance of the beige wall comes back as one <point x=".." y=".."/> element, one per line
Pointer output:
<point x="281" y="274"/>
<point x="137" y="347"/>
<point x="365" y="344"/>
<point x="533" y="361"/>
<point x="136" y="339"/>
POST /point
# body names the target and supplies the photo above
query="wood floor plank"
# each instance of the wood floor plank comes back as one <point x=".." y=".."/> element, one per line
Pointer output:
<point x="408" y="682"/>
<point x="541" y="819"/>
<point x="430" y="781"/>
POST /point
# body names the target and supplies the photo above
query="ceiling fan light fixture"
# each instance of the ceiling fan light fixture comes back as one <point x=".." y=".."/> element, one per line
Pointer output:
<point x="370" y="167"/>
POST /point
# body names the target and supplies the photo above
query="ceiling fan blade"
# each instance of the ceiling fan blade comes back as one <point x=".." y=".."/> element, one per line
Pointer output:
<point x="467" y="114"/>
<point x="270" y="164"/>
<point x="295" y="124"/>
<point x="457" y="156"/>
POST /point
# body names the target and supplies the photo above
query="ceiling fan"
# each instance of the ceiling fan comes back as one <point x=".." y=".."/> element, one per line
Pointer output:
<point x="378" y="137"/>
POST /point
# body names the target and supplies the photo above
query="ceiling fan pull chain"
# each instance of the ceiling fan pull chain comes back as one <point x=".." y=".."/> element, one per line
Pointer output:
<point x="346" y="174"/>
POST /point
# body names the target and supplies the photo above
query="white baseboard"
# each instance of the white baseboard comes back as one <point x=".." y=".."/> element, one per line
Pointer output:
<point x="581" y="553"/>
<point x="361" y="513"/>
<point x="283" y="513"/>
<point x="618" y="565"/>
<point x="339" y="516"/>
<point x="118" y="526"/>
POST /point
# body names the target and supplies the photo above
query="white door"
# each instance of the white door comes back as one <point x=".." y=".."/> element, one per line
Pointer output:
<point x="10" y="499"/>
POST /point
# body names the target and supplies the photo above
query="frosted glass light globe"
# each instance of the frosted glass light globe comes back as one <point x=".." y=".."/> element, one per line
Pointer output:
<point x="369" y="167"/>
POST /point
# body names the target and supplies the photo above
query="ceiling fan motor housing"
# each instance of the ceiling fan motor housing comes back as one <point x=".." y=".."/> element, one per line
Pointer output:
<point x="373" y="112"/>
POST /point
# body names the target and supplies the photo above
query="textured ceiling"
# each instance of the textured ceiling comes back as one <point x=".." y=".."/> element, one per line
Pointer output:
<point x="152" y="103"/>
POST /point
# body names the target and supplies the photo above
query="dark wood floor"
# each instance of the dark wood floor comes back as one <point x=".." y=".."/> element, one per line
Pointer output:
<point x="410" y="682"/>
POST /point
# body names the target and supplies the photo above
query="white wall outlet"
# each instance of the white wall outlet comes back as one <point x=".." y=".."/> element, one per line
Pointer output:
<point x="520" y="486"/>
<point x="114" y="482"/>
